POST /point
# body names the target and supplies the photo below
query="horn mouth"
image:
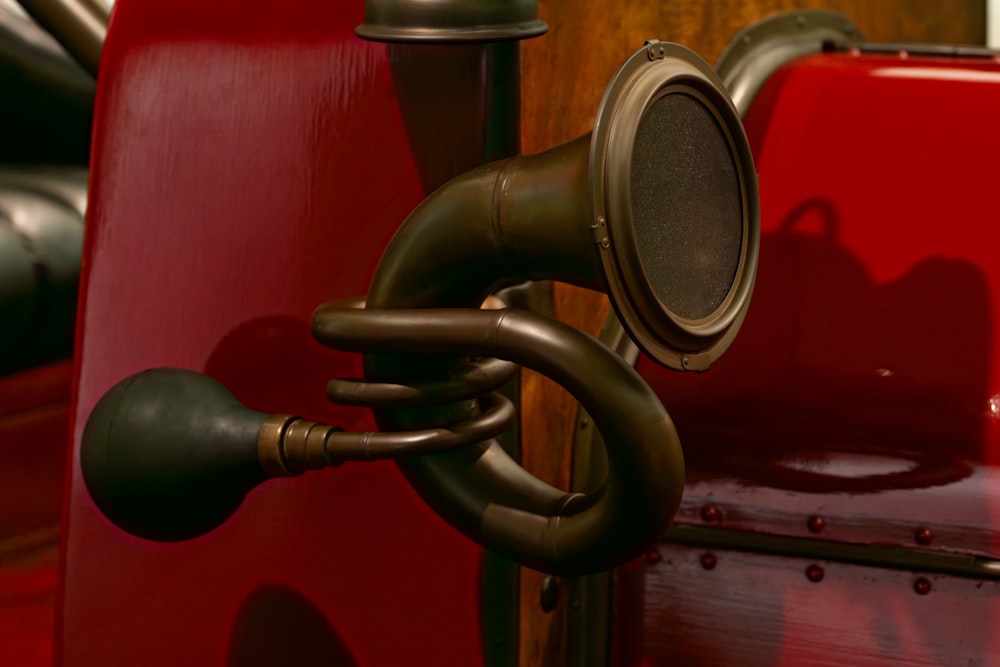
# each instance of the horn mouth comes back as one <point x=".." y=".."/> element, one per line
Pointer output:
<point x="676" y="208"/>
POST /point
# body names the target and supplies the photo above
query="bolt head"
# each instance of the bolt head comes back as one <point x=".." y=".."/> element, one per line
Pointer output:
<point x="815" y="523"/>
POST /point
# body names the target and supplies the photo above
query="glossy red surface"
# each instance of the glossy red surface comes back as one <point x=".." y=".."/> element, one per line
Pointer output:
<point x="864" y="387"/>
<point x="250" y="162"/>
<point x="34" y="422"/>
<point x="795" y="612"/>
<point x="28" y="576"/>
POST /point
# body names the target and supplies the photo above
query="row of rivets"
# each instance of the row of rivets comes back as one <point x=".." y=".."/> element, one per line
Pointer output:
<point x="815" y="524"/>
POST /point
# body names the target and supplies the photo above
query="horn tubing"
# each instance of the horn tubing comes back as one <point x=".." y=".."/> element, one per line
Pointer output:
<point x="525" y="218"/>
<point x="479" y="376"/>
<point x="288" y="445"/>
<point x="494" y="500"/>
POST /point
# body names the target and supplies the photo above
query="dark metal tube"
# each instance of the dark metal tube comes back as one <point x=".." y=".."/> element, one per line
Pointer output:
<point x="526" y="218"/>
<point x="475" y="378"/>
<point x="342" y="446"/>
<point x="81" y="26"/>
<point x="486" y="494"/>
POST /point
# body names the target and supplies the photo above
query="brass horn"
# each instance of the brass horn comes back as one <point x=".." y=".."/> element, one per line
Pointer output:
<point x="657" y="206"/>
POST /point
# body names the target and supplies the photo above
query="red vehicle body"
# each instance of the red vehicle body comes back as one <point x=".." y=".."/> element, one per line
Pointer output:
<point x="855" y="422"/>
<point x="338" y="178"/>
<point x="841" y="482"/>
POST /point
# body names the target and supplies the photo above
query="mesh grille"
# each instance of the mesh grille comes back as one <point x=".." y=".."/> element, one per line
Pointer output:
<point x="686" y="206"/>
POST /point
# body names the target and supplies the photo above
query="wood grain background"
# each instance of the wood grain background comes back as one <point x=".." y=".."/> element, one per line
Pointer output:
<point x="563" y="77"/>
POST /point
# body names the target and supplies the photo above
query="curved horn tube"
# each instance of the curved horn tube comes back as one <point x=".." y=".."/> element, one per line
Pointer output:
<point x="487" y="495"/>
<point x="566" y="215"/>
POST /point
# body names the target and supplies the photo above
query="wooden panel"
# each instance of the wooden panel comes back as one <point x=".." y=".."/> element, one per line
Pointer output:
<point x="564" y="75"/>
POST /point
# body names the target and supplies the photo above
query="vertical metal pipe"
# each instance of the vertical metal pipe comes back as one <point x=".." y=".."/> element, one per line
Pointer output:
<point x="502" y="120"/>
<point x="461" y="108"/>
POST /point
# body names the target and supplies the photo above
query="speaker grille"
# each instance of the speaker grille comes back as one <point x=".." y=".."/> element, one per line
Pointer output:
<point x="686" y="206"/>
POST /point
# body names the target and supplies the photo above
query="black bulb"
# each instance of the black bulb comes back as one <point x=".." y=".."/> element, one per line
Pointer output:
<point x="169" y="454"/>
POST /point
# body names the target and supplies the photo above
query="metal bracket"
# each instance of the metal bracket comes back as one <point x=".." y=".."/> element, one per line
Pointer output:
<point x="599" y="230"/>
<point x="759" y="50"/>
<point x="655" y="50"/>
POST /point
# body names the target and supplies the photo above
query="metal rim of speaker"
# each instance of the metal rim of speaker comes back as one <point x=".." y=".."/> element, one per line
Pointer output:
<point x="658" y="70"/>
<point x="450" y="21"/>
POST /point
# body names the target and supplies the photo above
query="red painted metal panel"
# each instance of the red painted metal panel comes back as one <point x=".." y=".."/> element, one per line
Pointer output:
<point x="28" y="576"/>
<point x="867" y="367"/>
<point x="765" y="610"/>
<point x="250" y="162"/>
<point x="864" y="388"/>
<point x="34" y="422"/>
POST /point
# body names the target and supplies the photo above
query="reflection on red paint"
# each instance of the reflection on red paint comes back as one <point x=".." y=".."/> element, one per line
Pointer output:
<point x="861" y="388"/>
<point x="250" y="163"/>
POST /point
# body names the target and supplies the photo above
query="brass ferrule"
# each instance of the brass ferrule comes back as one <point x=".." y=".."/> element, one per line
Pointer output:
<point x="288" y="446"/>
<point x="270" y="452"/>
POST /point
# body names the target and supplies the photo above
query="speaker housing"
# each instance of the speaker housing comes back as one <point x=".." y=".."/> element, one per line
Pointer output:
<point x="673" y="334"/>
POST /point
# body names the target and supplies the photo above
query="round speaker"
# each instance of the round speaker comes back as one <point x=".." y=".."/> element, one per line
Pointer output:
<point x="676" y="207"/>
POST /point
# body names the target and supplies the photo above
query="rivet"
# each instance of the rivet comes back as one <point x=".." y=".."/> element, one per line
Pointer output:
<point x="549" y="594"/>
<point x="584" y="422"/>
<point x="654" y="556"/>
<point x="815" y="523"/>
<point x="923" y="536"/>
<point x="710" y="513"/>
<point x="814" y="573"/>
<point x="922" y="586"/>
<point x="708" y="561"/>
<point x="605" y="243"/>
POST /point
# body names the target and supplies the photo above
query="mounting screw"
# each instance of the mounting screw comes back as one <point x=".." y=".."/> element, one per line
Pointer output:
<point x="814" y="573"/>
<point x="815" y="523"/>
<point x="922" y="586"/>
<point x="708" y="561"/>
<point x="923" y="536"/>
<point x="549" y="595"/>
